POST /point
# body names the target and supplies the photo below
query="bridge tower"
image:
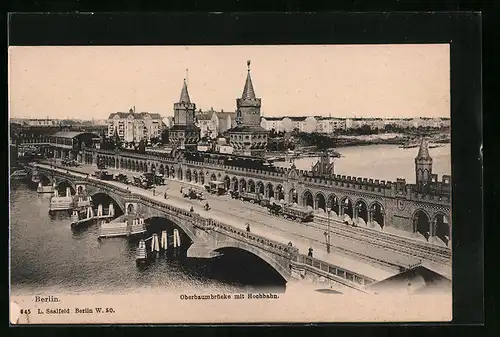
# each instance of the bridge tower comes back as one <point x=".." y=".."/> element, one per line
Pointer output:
<point x="184" y="134"/>
<point x="248" y="137"/>
<point x="423" y="166"/>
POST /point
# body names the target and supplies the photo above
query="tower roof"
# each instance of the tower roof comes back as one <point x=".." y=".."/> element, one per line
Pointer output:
<point x="248" y="92"/>
<point x="423" y="151"/>
<point x="184" y="94"/>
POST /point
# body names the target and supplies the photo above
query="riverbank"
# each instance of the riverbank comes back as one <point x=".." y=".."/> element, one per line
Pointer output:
<point x="388" y="139"/>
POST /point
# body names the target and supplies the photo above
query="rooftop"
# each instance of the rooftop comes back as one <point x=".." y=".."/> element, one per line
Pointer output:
<point x="71" y="134"/>
<point x="136" y="115"/>
<point x="243" y="128"/>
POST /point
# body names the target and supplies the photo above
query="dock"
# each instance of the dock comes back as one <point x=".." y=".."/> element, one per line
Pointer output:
<point x="124" y="226"/>
<point x="88" y="214"/>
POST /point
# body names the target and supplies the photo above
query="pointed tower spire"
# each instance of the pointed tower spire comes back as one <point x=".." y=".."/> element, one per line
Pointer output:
<point x="248" y="92"/>
<point x="184" y="94"/>
<point x="423" y="151"/>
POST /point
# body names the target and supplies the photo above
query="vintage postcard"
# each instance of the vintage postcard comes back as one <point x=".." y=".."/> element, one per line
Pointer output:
<point x="230" y="184"/>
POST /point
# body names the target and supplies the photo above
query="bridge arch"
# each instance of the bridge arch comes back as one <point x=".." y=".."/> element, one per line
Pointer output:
<point x="185" y="229"/>
<point x="320" y="201"/>
<point x="307" y="199"/>
<point x="45" y="179"/>
<point x="362" y="210"/>
<point x="280" y="268"/>
<point x="422" y="223"/>
<point x="441" y="224"/>
<point x="120" y="205"/>
<point x="64" y="183"/>
<point x="377" y="213"/>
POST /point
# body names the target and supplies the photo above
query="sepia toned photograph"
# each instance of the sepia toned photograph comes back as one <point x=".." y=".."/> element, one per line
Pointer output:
<point x="230" y="184"/>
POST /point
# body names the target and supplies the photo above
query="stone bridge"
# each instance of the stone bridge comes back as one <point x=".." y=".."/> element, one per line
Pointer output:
<point x="369" y="202"/>
<point x="208" y="235"/>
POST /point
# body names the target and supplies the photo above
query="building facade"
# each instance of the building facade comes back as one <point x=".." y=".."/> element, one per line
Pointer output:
<point x="329" y="125"/>
<point x="184" y="134"/>
<point x="41" y="122"/>
<point x="134" y="127"/>
<point x="213" y="123"/>
<point x="248" y="137"/>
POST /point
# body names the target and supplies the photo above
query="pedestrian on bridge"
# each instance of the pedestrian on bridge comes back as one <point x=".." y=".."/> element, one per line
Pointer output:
<point x="165" y="195"/>
<point x="248" y="227"/>
<point x="310" y="253"/>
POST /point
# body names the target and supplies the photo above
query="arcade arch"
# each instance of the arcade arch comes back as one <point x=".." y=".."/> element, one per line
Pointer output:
<point x="307" y="199"/>
<point x="243" y="185"/>
<point x="334" y="204"/>
<point x="362" y="210"/>
<point x="260" y="188"/>
<point x="347" y="207"/>
<point x="421" y="223"/>
<point x="269" y="190"/>
<point x="320" y="202"/>
<point x="235" y="184"/>
<point x="227" y="183"/>
<point x="251" y="186"/>
<point x="442" y="227"/>
<point x="378" y="214"/>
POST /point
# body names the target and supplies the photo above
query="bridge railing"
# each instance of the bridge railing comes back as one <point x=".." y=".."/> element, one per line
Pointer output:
<point x="275" y="246"/>
<point x="211" y="224"/>
<point x="333" y="270"/>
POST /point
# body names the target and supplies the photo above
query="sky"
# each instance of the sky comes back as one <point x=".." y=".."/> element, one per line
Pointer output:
<point x="338" y="80"/>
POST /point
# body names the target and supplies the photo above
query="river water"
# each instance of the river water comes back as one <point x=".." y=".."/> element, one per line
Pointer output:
<point x="383" y="162"/>
<point x="46" y="254"/>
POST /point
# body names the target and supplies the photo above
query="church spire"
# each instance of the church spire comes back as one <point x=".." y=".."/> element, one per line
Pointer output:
<point x="184" y="94"/>
<point x="423" y="152"/>
<point x="248" y="92"/>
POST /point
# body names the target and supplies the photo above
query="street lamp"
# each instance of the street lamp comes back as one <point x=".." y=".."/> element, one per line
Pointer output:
<point x="328" y="245"/>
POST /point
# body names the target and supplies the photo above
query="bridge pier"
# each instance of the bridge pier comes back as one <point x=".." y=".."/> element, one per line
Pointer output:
<point x="201" y="251"/>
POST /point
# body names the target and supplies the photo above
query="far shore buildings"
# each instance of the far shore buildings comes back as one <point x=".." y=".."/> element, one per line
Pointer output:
<point x="134" y="126"/>
<point x="213" y="123"/>
<point x="327" y="125"/>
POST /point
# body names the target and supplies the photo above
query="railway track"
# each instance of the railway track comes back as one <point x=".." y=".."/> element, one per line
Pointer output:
<point x="407" y="247"/>
<point x="369" y="258"/>
<point x="401" y="245"/>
